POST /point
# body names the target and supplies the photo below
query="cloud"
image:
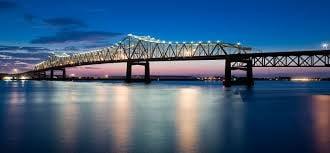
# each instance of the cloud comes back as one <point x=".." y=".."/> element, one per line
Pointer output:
<point x="23" y="56"/>
<point x="21" y="61"/>
<point x="24" y="49"/>
<point x="5" y="57"/>
<point x="60" y="23"/>
<point x="65" y="22"/>
<point x="8" y="47"/>
<point x="75" y="36"/>
<point x="97" y="45"/>
<point x="30" y="18"/>
<point x="35" y="49"/>
<point x="7" y="5"/>
<point x="70" y="48"/>
<point x="22" y="66"/>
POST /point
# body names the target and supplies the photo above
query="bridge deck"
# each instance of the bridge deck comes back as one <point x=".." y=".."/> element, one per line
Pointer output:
<point x="314" y="58"/>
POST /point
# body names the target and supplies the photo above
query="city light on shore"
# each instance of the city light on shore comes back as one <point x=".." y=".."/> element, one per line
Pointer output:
<point x="304" y="79"/>
<point x="7" y="78"/>
<point x="23" y="78"/>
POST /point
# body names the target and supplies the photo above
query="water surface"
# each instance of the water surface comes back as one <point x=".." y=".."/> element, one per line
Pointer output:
<point x="88" y="117"/>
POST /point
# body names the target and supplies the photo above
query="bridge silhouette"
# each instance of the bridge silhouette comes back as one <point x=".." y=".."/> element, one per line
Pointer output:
<point x="140" y="50"/>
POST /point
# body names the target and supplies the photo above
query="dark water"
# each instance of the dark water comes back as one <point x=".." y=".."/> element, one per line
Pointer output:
<point x="97" y="117"/>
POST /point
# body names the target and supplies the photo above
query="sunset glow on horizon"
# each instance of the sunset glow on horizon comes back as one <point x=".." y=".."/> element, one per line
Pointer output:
<point x="192" y="68"/>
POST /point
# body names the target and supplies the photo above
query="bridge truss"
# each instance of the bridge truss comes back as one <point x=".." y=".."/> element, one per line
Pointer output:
<point x="140" y="50"/>
<point x="144" y="48"/>
<point x="292" y="59"/>
<point x="316" y="58"/>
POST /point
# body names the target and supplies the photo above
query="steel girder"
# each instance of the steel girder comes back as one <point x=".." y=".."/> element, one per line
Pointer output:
<point x="317" y="60"/>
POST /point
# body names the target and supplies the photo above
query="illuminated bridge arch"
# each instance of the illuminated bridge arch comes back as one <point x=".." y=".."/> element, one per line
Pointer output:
<point x="144" y="48"/>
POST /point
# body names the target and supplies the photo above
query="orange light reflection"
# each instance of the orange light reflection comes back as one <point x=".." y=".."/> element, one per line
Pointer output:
<point x="121" y="119"/>
<point x="321" y="118"/>
<point x="187" y="120"/>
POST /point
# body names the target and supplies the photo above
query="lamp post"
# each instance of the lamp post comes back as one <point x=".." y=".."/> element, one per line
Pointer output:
<point x="15" y="71"/>
<point x="325" y="46"/>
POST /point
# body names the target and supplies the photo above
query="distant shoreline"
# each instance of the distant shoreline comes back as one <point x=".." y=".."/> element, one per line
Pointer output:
<point x="173" y="78"/>
<point x="141" y="80"/>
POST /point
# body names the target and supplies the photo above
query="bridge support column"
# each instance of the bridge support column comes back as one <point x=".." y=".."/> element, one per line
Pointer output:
<point x="146" y="65"/>
<point x="51" y="74"/>
<point x="227" y="81"/>
<point x="128" y="72"/>
<point x="41" y="75"/>
<point x="63" y="73"/>
<point x="249" y="74"/>
<point x="147" y="72"/>
<point x="239" y="64"/>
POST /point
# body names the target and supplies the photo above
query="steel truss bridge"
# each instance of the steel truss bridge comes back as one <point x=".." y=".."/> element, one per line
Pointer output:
<point x="140" y="50"/>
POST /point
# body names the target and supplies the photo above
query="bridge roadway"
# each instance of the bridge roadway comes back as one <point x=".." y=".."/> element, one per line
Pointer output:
<point x="140" y="50"/>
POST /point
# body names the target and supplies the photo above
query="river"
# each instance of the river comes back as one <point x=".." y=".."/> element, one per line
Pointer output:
<point x="164" y="116"/>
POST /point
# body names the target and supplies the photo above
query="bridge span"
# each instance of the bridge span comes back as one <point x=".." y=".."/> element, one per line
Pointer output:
<point x="140" y="50"/>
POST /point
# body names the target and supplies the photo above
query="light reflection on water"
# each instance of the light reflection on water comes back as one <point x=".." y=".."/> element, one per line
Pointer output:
<point x="13" y="124"/>
<point x="321" y="118"/>
<point x="67" y="129"/>
<point x="163" y="117"/>
<point x="121" y="121"/>
<point x="187" y="119"/>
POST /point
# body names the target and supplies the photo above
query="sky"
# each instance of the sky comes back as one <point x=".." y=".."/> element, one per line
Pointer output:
<point x="32" y="29"/>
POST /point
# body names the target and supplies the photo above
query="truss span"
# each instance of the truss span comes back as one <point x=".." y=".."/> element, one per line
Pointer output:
<point x="144" y="48"/>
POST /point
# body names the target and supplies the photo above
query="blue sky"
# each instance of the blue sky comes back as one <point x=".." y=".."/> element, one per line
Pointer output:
<point x="31" y="29"/>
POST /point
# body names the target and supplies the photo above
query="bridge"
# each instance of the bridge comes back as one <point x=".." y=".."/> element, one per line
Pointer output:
<point x="140" y="50"/>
